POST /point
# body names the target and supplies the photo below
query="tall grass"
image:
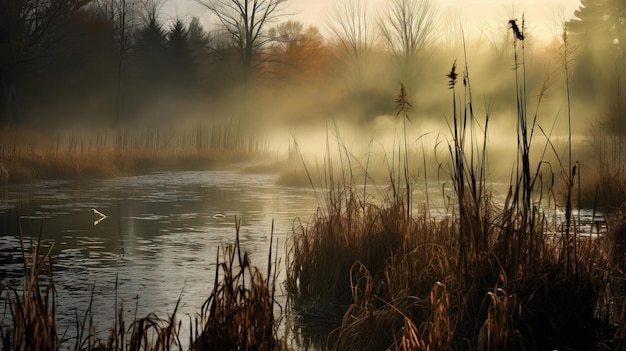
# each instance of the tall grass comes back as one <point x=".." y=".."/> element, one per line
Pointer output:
<point x="488" y="276"/>
<point x="239" y="314"/>
<point x="30" y="155"/>
<point x="33" y="309"/>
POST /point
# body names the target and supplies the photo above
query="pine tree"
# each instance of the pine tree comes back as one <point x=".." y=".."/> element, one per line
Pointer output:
<point x="598" y="33"/>
<point x="180" y="63"/>
<point x="601" y="25"/>
<point x="148" y="65"/>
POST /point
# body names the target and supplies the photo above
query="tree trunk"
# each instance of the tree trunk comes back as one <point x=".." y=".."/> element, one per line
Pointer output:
<point x="6" y="102"/>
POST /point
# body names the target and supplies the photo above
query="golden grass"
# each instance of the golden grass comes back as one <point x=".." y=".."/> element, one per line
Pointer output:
<point x="27" y="155"/>
<point x="43" y="165"/>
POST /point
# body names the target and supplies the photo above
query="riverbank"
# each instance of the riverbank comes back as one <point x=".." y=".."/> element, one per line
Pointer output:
<point x="27" y="155"/>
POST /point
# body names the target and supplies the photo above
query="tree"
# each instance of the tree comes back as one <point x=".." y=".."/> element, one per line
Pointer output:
<point x="599" y="32"/>
<point x="295" y="51"/>
<point x="27" y="31"/>
<point x="244" y="22"/>
<point x="85" y="52"/>
<point x="151" y="39"/>
<point x="120" y="14"/>
<point x="199" y="42"/>
<point x="601" y="25"/>
<point x="149" y="63"/>
<point x="180" y="62"/>
<point x="407" y="28"/>
<point x="350" y="26"/>
<point x="198" y="39"/>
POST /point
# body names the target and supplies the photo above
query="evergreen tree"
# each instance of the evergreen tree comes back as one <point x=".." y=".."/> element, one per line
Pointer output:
<point x="198" y="38"/>
<point x="28" y="30"/>
<point x="598" y="34"/>
<point x="200" y="45"/>
<point x="601" y="25"/>
<point x="148" y="68"/>
<point x="180" y="69"/>
<point x="150" y="51"/>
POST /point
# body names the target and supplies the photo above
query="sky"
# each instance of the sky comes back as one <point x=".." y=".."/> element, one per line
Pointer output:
<point x="542" y="15"/>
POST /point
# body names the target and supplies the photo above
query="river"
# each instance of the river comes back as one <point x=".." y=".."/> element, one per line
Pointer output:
<point x="158" y="241"/>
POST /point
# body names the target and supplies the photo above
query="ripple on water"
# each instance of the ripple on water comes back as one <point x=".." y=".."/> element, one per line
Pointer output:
<point x="149" y="217"/>
<point x="39" y="216"/>
<point x="161" y="238"/>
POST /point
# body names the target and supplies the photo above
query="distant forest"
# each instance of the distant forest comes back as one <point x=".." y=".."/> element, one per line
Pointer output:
<point x="111" y="63"/>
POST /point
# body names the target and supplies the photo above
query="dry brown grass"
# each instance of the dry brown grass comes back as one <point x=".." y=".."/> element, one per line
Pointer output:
<point x="33" y="308"/>
<point x="401" y="288"/>
<point x="45" y="165"/>
<point x="238" y="315"/>
<point x="351" y="231"/>
<point x="485" y="277"/>
<point x="27" y="155"/>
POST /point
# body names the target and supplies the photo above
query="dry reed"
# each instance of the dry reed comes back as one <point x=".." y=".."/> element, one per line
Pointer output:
<point x="28" y="155"/>
<point x="486" y="277"/>
<point x="238" y="315"/>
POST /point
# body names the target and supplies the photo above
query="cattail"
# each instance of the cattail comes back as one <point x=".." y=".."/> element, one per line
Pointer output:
<point x="403" y="106"/>
<point x="518" y="34"/>
<point x="452" y="76"/>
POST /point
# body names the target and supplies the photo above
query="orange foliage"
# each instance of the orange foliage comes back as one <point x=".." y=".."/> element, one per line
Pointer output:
<point x="297" y="54"/>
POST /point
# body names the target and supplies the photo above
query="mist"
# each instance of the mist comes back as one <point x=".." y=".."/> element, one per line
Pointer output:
<point x="107" y="64"/>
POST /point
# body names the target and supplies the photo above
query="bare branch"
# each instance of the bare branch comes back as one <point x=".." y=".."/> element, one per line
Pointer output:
<point x="245" y="22"/>
<point x="408" y="29"/>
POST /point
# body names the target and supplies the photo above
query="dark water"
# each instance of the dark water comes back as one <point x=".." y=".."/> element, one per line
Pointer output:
<point x="159" y="239"/>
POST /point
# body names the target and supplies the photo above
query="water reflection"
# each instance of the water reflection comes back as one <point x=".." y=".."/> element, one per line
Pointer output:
<point x="159" y="238"/>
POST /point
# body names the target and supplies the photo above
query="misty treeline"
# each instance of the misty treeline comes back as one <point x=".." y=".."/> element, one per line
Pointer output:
<point x="121" y="62"/>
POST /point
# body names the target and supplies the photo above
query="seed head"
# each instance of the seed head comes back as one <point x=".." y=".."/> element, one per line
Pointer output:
<point x="452" y="76"/>
<point x="516" y="31"/>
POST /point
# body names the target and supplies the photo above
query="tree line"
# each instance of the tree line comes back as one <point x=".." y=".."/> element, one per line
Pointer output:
<point x="118" y="62"/>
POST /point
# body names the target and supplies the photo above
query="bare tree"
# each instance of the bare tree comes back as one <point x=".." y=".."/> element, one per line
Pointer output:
<point x="408" y="29"/>
<point x="350" y="26"/>
<point x="151" y="11"/>
<point x="245" y="21"/>
<point x="120" y="13"/>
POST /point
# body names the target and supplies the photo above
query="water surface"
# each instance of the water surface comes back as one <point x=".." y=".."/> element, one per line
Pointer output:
<point x="159" y="240"/>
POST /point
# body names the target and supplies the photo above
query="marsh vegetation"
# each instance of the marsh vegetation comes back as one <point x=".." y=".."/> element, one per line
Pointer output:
<point x="486" y="271"/>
